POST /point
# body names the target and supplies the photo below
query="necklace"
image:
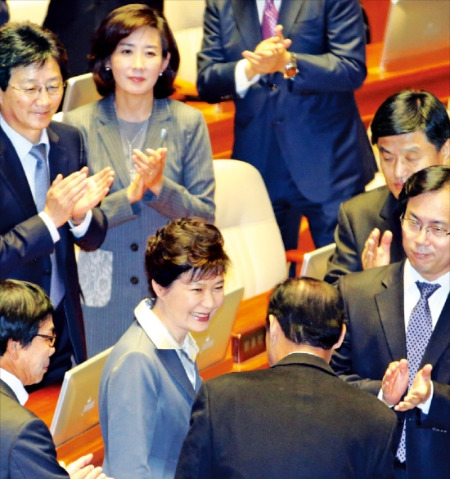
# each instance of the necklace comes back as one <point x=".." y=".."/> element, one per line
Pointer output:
<point x="133" y="137"/>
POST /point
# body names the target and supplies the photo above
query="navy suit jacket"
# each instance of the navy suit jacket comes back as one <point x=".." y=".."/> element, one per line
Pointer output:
<point x="357" y="218"/>
<point x="26" y="243"/>
<point x="374" y="305"/>
<point x="27" y="449"/>
<point x="315" y="117"/>
<point x="296" y="419"/>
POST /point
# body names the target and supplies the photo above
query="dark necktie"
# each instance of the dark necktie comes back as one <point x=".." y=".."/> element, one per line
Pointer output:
<point x="418" y="335"/>
<point x="269" y="19"/>
<point x="41" y="177"/>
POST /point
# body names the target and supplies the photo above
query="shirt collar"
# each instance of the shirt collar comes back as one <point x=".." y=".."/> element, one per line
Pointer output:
<point x="20" y="143"/>
<point x="159" y="334"/>
<point x="15" y="384"/>
<point x="410" y="276"/>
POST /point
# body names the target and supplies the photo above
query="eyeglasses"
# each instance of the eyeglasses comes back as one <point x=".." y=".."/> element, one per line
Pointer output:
<point x="414" y="226"/>
<point x="51" y="339"/>
<point x="35" y="91"/>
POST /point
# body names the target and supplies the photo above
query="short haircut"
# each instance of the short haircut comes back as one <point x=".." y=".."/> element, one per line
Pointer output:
<point x="409" y="111"/>
<point x="119" y="24"/>
<point x="184" y="245"/>
<point x="23" y="307"/>
<point x="309" y="311"/>
<point x="433" y="178"/>
<point x="23" y="44"/>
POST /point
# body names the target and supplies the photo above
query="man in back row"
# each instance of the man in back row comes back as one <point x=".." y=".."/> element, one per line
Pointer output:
<point x="411" y="130"/>
<point x="296" y="419"/>
<point x="397" y="344"/>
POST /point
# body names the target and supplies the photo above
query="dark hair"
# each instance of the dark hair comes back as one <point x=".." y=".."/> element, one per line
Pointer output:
<point x="186" y="244"/>
<point x="309" y="311"/>
<point x="409" y="111"/>
<point x="119" y="24"/>
<point x="433" y="178"/>
<point x="24" y="43"/>
<point x="23" y="307"/>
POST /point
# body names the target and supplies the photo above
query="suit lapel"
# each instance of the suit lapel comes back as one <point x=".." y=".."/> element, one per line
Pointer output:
<point x="391" y="311"/>
<point x="288" y="14"/>
<point x="14" y="177"/>
<point x="439" y="340"/>
<point x="7" y="391"/>
<point x="247" y="22"/>
<point x="173" y="364"/>
<point x="390" y="212"/>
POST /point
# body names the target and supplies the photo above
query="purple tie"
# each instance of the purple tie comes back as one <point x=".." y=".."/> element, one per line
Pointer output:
<point x="269" y="21"/>
<point x="417" y="336"/>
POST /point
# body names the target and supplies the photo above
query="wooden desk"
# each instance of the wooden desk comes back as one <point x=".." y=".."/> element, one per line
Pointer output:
<point x="43" y="402"/>
<point x="376" y="88"/>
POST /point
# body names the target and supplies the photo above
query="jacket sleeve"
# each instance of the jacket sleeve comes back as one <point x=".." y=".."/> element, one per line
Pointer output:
<point x="346" y="258"/>
<point x="342" y="65"/>
<point x="33" y="454"/>
<point x="195" y="460"/>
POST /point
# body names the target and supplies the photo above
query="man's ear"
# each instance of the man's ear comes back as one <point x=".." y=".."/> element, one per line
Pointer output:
<point x="274" y="327"/>
<point x="341" y="337"/>
<point x="13" y="348"/>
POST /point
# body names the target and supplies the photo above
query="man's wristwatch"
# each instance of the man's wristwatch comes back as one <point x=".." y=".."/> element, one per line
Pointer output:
<point x="290" y="70"/>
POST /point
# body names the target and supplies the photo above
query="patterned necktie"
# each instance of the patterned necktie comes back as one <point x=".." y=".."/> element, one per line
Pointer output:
<point x="41" y="177"/>
<point x="269" y="20"/>
<point x="417" y="336"/>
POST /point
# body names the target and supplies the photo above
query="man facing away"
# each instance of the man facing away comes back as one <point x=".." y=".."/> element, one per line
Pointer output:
<point x="397" y="344"/>
<point x="27" y="340"/>
<point x="296" y="419"/>
<point x="46" y="199"/>
<point x="412" y="131"/>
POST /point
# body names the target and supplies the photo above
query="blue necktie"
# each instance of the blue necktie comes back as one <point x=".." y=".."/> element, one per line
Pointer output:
<point x="41" y="177"/>
<point x="418" y="335"/>
<point x="41" y="186"/>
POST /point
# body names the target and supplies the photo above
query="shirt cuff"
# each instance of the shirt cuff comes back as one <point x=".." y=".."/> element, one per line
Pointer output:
<point x="80" y="230"/>
<point x="425" y="406"/>
<point x="53" y="230"/>
<point x="240" y="78"/>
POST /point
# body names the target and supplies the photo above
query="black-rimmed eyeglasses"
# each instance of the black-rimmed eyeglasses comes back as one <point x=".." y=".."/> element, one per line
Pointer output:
<point x="51" y="339"/>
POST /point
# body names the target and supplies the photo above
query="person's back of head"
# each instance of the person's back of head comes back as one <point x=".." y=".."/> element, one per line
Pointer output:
<point x="309" y="313"/>
<point x="25" y="43"/>
<point x="408" y="111"/>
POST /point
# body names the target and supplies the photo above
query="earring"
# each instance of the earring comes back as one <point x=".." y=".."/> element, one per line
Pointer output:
<point x="161" y="74"/>
<point x="108" y="69"/>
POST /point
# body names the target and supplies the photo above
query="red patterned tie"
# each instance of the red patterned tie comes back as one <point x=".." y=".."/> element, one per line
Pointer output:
<point x="269" y="21"/>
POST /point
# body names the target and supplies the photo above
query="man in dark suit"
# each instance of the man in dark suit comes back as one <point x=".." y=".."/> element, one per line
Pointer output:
<point x="297" y="419"/>
<point x="296" y="117"/>
<point x="27" y="340"/>
<point x="42" y="217"/>
<point x="411" y="130"/>
<point x="76" y="22"/>
<point x="383" y="339"/>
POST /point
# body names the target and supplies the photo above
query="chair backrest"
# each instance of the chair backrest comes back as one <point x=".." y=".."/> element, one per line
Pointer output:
<point x="80" y="90"/>
<point x="245" y="217"/>
<point x="189" y="41"/>
<point x="315" y="262"/>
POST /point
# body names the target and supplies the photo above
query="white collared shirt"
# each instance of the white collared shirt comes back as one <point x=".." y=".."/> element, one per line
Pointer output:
<point x="242" y="84"/>
<point x="162" y="339"/>
<point x="15" y="384"/>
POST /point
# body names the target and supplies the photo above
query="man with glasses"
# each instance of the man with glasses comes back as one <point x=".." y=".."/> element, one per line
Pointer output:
<point x="397" y="344"/>
<point x="27" y="340"/>
<point x="411" y="130"/>
<point x="46" y="198"/>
